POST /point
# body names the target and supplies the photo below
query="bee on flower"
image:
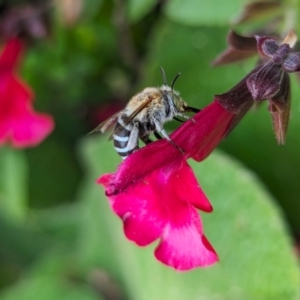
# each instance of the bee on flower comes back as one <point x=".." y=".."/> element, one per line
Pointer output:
<point x="146" y="113"/>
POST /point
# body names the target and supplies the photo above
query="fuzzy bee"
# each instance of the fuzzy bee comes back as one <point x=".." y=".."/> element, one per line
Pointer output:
<point x="145" y="113"/>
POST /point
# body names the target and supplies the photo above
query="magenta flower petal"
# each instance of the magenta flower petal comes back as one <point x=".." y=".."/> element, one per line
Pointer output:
<point x="3" y="133"/>
<point x="183" y="184"/>
<point x="140" y="211"/>
<point x="162" y="205"/>
<point x="214" y="125"/>
<point x="31" y="128"/>
<point x="184" y="247"/>
<point x="10" y="54"/>
<point x="19" y="123"/>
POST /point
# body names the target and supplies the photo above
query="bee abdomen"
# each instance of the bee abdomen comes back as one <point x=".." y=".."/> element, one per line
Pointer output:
<point x="125" y="141"/>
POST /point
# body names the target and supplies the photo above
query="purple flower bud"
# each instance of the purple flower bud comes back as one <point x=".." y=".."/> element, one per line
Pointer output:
<point x="272" y="82"/>
<point x="269" y="81"/>
<point x="265" y="83"/>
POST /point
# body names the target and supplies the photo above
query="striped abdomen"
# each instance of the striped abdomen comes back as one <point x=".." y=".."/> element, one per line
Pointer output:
<point x="125" y="138"/>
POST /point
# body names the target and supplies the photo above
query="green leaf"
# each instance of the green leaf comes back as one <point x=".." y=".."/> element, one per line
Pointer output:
<point x="91" y="8"/>
<point x="21" y="244"/>
<point x="246" y="228"/>
<point x="48" y="288"/>
<point x="53" y="173"/>
<point x="13" y="183"/>
<point x="201" y="12"/>
<point x="53" y="277"/>
<point x="137" y="9"/>
<point x="60" y="222"/>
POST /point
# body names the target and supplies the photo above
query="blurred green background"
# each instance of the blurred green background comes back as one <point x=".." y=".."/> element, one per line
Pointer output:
<point x="58" y="237"/>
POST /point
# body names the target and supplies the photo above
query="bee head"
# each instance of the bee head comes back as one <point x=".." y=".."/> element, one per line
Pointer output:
<point x="177" y="100"/>
<point x="174" y="95"/>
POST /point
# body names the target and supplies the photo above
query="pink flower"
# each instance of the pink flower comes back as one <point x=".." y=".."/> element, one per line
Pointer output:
<point x="159" y="199"/>
<point x="19" y="124"/>
<point x="163" y="206"/>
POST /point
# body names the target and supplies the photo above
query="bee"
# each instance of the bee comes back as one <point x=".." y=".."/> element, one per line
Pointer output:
<point x="146" y="113"/>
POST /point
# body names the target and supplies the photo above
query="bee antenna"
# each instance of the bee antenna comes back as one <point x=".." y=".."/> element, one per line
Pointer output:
<point x="164" y="76"/>
<point x="173" y="82"/>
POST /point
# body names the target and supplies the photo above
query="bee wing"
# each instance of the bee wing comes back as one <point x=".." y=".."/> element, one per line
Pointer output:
<point x="107" y="124"/>
<point x="138" y="110"/>
<point x="113" y="119"/>
<point x="128" y="119"/>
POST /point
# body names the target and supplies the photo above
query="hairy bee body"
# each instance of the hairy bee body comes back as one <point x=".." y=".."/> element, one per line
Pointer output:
<point x="145" y="113"/>
<point x="159" y="108"/>
<point x="125" y="137"/>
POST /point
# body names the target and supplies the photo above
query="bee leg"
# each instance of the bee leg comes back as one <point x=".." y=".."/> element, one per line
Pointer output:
<point x="146" y="139"/>
<point x="185" y="117"/>
<point x="176" y="119"/>
<point x="160" y="129"/>
<point x="192" y="109"/>
<point x="156" y="134"/>
<point x="166" y="136"/>
<point x="132" y="144"/>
